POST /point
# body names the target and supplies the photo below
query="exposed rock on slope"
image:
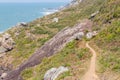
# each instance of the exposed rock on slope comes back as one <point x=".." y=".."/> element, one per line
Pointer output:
<point x="6" y="43"/>
<point x="50" y="48"/>
<point x="53" y="73"/>
<point x="89" y="35"/>
<point x="72" y="4"/>
<point x="22" y="24"/>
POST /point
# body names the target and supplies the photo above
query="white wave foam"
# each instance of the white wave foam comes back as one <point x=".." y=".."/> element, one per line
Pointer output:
<point x="1" y="32"/>
<point x="48" y="12"/>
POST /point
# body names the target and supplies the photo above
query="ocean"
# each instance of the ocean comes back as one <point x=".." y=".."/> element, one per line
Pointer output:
<point x="13" y="13"/>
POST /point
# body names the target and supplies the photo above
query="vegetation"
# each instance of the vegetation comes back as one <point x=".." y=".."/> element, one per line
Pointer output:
<point x="107" y="22"/>
<point x="70" y="56"/>
<point x="109" y="41"/>
<point x="41" y="30"/>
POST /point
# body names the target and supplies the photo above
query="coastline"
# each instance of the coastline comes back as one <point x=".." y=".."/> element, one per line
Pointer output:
<point x="45" y="13"/>
<point x="28" y="14"/>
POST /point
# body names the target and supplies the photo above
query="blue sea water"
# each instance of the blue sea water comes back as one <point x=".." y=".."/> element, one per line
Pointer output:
<point x="13" y="13"/>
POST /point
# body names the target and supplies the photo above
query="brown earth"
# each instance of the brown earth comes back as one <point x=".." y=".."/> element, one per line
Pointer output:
<point x="90" y="74"/>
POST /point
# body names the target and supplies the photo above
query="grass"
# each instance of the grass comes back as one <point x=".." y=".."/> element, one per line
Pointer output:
<point x="107" y="22"/>
<point x="68" y="57"/>
<point x="64" y="75"/>
<point x="108" y="40"/>
<point x="25" y="46"/>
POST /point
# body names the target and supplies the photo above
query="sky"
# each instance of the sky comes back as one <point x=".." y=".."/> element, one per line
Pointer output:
<point x="35" y="0"/>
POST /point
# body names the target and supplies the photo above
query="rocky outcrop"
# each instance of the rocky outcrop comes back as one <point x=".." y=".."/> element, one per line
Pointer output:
<point x="3" y="75"/>
<point x="79" y="36"/>
<point x="22" y="24"/>
<point x="93" y="15"/>
<point x="55" y="20"/>
<point x="75" y="2"/>
<point x="6" y="43"/>
<point x="90" y="35"/>
<point x="71" y="4"/>
<point x="53" y="73"/>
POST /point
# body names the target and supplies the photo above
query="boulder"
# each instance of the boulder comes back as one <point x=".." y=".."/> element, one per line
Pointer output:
<point x="89" y="35"/>
<point x="17" y="34"/>
<point x="49" y="73"/>
<point x="38" y="25"/>
<point x="6" y="43"/>
<point x="3" y="76"/>
<point x="73" y="3"/>
<point x="2" y="49"/>
<point x="95" y="33"/>
<point x="94" y="14"/>
<point x="22" y="24"/>
<point x="53" y="73"/>
<point x="55" y="20"/>
<point x="79" y="36"/>
<point x="6" y="36"/>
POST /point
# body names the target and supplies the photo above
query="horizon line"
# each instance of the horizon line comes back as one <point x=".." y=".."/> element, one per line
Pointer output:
<point x="37" y="2"/>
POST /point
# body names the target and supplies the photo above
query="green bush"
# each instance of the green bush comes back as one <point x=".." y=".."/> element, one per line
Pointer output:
<point x="82" y="53"/>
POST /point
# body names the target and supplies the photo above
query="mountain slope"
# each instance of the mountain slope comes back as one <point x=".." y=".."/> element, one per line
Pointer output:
<point x="75" y="55"/>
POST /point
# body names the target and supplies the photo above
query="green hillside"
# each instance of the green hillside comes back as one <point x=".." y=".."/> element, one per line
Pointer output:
<point x="75" y="55"/>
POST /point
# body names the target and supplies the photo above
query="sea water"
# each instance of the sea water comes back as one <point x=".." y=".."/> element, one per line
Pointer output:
<point x="13" y="13"/>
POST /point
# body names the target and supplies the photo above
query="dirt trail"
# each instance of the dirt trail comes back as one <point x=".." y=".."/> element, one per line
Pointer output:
<point x="91" y="75"/>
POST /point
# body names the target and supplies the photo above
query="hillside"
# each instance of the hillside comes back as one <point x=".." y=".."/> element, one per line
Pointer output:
<point x="104" y="16"/>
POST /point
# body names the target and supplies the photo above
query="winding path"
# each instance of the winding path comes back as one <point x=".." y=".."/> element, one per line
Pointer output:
<point x="90" y="74"/>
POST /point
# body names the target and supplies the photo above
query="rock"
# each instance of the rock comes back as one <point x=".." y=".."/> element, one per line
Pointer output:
<point x="1" y="72"/>
<point x="17" y="33"/>
<point x="53" y="73"/>
<point x="80" y="1"/>
<point x="30" y="36"/>
<point x="3" y="75"/>
<point x="2" y="49"/>
<point x="6" y="36"/>
<point x="22" y="24"/>
<point x="72" y="3"/>
<point x="89" y="35"/>
<point x="38" y="25"/>
<point x="94" y="14"/>
<point x="6" y="43"/>
<point x="95" y="33"/>
<point x="20" y="78"/>
<point x="0" y="40"/>
<point x="55" y="20"/>
<point x="49" y="73"/>
<point x="79" y="36"/>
